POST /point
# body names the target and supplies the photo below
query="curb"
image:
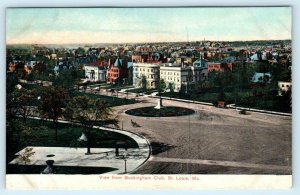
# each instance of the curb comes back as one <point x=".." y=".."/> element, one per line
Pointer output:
<point x="232" y="106"/>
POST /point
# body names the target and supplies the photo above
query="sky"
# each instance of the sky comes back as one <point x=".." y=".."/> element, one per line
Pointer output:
<point x="134" y="25"/>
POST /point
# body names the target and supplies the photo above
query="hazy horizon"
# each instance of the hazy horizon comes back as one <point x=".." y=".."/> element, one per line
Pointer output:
<point x="63" y="44"/>
<point x="63" y="26"/>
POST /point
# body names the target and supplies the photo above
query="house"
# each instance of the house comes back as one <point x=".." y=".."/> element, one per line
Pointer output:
<point x="145" y="72"/>
<point x="260" y="77"/>
<point x="154" y="57"/>
<point x="284" y="86"/>
<point x="62" y="65"/>
<point x="117" y="72"/>
<point x="200" y="63"/>
<point x="258" y="56"/>
<point x="17" y="66"/>
<point x="184" y="59"/>
<point x="96" y="71"/>
<point x="218" y="66"/>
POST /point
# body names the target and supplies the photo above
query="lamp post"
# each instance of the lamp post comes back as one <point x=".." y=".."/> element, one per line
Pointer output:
<point x="39" y="101"/>
<point x="125" y="161"/>
<point x="122" y="124"/>
<point x="86" y="138"/>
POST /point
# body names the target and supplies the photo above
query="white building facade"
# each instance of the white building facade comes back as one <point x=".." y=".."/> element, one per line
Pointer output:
<point x="284" y="86"/>
<point x="180" y="76"/>
<point x="149" y="72"/>
<point x="260" y="77"/>
<point x="95" y="73"/>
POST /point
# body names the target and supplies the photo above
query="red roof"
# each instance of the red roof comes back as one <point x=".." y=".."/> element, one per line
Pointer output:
<point x="100" y="63"/>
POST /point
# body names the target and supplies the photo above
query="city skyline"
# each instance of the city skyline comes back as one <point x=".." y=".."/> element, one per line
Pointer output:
<point x="142" y="25"/>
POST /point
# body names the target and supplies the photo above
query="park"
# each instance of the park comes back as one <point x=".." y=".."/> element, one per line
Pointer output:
<point x="177" y="138"/>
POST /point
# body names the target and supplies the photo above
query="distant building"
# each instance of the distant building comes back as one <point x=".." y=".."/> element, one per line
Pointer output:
<point x="200" y="63"/>
<point x="284" y="86"/>
<point x="17" y="67"/>
<point x="260" y="77"/>
<point x="96" y="71"/>
<point x="219" y="66"/>
<point x="117" y="72"/>
<point x="258" y="56"/>
<point x="62" y="65"/>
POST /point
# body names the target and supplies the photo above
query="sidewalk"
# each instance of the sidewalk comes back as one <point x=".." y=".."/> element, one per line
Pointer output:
<point x="232" y="106"/>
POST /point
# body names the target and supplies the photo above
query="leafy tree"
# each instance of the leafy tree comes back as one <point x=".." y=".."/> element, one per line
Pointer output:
<point x="87" y="112"/>
<point x="171" y="87"/>
<point x="144" y="82"/>
<point x="30" y="77"/>
<point x="263" y="67"/>
<point x="221" y="96"/>
<point x="53" y="100"/>
<point x="80" y="51"/>
<point x="161" y="86"/>
<point x="19" y="103"/>
<point x="67" y="79"/>
<point x="284" y="102"/>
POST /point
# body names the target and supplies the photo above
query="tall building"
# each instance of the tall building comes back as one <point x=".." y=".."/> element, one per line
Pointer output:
<point x="180" y="76"/>
<point x="117" y="72"/>
<point x="145" y="74"/>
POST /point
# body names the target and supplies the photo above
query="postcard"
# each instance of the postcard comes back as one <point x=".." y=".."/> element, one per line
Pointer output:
<point x="149" y="98"/>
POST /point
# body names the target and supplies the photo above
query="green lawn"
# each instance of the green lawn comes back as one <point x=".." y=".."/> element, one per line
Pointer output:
<point x="168" y="111"/>
<point x="243" y="99"/>
<point x="112" y="101"/>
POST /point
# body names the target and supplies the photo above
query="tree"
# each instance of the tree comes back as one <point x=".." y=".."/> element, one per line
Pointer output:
<point x="80" y="51"/>
<point x="144" y="82"/>
<point x="19" y="103"/>
<point x="87" y="112"/>
<point x="161" y="86"/>
<point x="171" y="87"/>
<point x="67" y="79"/>
<point x="53" y="100"/>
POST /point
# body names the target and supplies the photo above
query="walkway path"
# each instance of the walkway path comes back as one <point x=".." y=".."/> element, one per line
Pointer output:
<point x="222" y="163"/>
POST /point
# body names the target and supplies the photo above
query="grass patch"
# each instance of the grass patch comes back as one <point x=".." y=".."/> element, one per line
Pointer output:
<point x="112" y="101"/>
<point x="163" y="112"/>
<point x="210" y="97"/>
